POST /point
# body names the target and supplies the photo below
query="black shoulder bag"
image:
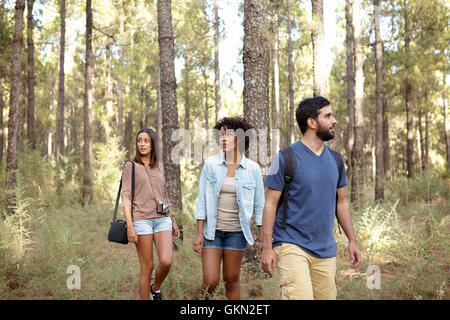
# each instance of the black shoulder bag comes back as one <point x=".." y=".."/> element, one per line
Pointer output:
<point x="118" y="229"/>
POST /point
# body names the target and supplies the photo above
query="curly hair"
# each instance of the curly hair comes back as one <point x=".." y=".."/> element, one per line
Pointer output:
<point x="234" y="123"/>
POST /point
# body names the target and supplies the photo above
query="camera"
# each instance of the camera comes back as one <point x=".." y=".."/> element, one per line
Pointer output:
<point x="163" y="208"/>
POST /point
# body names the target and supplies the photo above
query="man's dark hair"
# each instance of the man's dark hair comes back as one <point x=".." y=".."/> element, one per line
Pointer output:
<point x="154" y="157"/>
<point x="309" y="108"/>
<point x="234" y="123"/>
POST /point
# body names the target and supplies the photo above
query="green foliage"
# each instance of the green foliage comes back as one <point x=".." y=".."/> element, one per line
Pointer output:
<point x="107" y="166"/>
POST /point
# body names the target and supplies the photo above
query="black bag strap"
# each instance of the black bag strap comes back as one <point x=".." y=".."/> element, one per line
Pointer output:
<point x="340" y="162"/>
<point x="289" y="172"/>
<point x="120" y="188"/>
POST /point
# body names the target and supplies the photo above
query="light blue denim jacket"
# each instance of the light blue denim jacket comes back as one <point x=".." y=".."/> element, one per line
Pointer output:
<point x="249" y="194"/>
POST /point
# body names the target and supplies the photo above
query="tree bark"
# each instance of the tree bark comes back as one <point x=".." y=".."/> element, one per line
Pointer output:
<point x="2" y="139"/>
<point x="290" y="75"/>
<point x="379" y="186"/>
<point x="60" y="110"/>
<point x="87" y="114"/>
<point x="120" y="132"/>
<point x="205" y="82"/>
<point x="14" y="100"/>
<point x="350" y="84"/>
<point x="446" y="121"/>
<point x="358" y="148"/>
<point x="408" y="99"/>
<point x="159" y="125"/>
<point x="218" y="97"/>
<point x="256" y="59"/>
<point x="186" y="95"/>
<point x="276" y="81"/>
<point x="386" y="147"/>
<point x="168" y="102"/>
<point x="30" y="78"/>
<point x="109" y="123"/>
<point x="319" y="49"/>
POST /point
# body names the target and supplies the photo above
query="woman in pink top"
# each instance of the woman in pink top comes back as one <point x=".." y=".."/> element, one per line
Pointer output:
<point x="152" y="220"/>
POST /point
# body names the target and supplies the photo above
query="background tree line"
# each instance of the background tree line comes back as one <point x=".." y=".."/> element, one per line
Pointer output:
<point x="387" y="84"/>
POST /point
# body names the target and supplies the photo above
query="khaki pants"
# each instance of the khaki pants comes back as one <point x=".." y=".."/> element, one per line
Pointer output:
<point x="304" y="277"/>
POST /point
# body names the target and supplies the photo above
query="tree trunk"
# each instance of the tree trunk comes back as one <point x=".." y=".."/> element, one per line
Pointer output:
<point x="120" y="133"/>
<point x="87" y="114"/>
<point x="379" y="186"/>
<point x="205" y="79"/>
<point x="60" y="110"/>
<point x="169" y="102"/>
<point x="350" y="85"/>
<point x="427" y="144"/>
<point x="446" y="122"/>
<point x="218" y="98"/>
<point x="386" y="147"/>
<point x="319" y="49"/>
<point x="2" y="139"/>
<point x="159" y="116"/>
<point x="109" y="123"/>
<point x="358" y="148"/>
<point x="276" y="125"/>
<point x="408" y="100"/>
<point x="256" y="60"/>
<point x="30" y="115"/>
<point x="290" y="75"/>
<point x="186" y="95"/>
<point x="14" y="100"/>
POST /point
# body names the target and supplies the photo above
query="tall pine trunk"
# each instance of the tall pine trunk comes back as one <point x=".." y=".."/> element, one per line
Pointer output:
<point x="319" y="49"/>
<point x="60" y="110"/>
<point x="120" y="131"/>
<point x="256" y="59"/>
<point x="290" y="75"/>
<point x="87" y="114"/>
<point x="386" y="146"/>
<point x="350" y="84"/>
<point x="218" y="97"/>
<point x="14" y="100"/>
<point x="446" y="121"/>
<point x="2" y="139"/>
<point x="276" y="125"/>
<point x="168" y="102"/>
<point x="357" y="190"/>
<point x="379" y="186"/>
<point x="30" y="77"/>
<point x="408" y="99"/>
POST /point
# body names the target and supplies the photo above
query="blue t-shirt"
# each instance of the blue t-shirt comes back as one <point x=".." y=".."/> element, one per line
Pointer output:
<point x="311" y="201"/>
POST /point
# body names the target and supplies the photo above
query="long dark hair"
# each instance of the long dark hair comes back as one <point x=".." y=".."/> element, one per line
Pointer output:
<point x="154" y="157"/>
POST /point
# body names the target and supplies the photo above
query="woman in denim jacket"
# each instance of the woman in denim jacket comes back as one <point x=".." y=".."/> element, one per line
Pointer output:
<point x="231" y="190"/>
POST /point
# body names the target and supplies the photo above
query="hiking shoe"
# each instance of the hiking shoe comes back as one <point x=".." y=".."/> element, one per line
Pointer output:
<point x="156" y="295"/>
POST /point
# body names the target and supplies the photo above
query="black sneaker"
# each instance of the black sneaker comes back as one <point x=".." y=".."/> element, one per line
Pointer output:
<point x="155" y="295"/>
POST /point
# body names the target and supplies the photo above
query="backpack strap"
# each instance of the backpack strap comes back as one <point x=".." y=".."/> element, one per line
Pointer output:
<point x="120" y="188"/>
<point x="340" y="163"/>
<point x="289" y="172"/>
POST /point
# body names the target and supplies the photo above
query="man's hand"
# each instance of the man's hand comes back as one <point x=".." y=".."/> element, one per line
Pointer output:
<point x="355" y="255"/>
<point x="268" y="261"/>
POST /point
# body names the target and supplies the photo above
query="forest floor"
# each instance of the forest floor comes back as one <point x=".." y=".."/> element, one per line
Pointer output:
<point x="406" y="241"/>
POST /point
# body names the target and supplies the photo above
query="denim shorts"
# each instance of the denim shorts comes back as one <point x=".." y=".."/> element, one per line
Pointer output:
<point x="151" y="226"/>
<point x="226" y="241"/>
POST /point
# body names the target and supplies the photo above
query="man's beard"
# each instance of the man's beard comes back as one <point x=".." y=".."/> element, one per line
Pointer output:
<point x="324" y="134"/>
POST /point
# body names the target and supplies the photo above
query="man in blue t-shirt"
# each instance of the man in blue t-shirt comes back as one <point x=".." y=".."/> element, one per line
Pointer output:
<point x="304" y="249"/>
